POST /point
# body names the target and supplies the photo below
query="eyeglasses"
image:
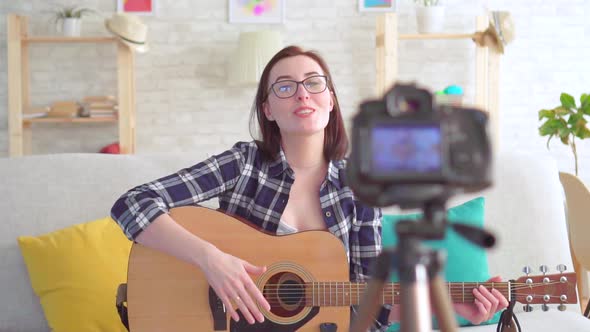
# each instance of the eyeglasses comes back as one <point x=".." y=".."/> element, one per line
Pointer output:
<point x="288" y="88"/>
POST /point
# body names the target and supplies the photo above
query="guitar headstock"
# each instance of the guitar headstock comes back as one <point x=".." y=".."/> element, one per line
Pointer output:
<point x="559" y="288"/>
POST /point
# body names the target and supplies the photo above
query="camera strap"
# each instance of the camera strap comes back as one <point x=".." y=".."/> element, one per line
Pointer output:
<point x="508" y="321"/>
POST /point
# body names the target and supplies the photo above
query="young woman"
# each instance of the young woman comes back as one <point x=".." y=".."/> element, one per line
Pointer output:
<point x="291" y="180"/>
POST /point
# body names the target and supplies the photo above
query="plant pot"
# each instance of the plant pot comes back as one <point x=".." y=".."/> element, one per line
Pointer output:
<point x="70" y="27"/>
<point x="430" y="19"/>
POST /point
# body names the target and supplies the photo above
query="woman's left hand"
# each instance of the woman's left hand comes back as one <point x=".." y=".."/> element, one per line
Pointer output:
<point x="485" y="305"/>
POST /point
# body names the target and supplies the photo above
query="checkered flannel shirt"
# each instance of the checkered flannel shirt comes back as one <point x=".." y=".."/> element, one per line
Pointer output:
<point x="252" y="188"/>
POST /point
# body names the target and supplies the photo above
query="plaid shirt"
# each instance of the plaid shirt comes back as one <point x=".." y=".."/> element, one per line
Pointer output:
<point x="251" y="188"/>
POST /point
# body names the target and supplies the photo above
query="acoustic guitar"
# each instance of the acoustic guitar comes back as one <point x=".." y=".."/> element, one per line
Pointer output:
<point x="306" y="283"/>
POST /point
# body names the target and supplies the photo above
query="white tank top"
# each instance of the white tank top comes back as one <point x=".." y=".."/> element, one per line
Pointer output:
<point x="285" y="229"/>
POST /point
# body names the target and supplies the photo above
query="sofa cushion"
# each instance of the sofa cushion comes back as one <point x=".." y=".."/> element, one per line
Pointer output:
<point x="75" y="272"/>
<point x="465" y="261"/>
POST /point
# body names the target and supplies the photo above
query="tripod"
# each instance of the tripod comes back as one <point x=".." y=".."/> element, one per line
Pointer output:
<point x="418" y="269"/>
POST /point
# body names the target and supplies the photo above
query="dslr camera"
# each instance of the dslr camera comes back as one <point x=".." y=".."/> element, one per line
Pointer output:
<point x="407" y="151"/>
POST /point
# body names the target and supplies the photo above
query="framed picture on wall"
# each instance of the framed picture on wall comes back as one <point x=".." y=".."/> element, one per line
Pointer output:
<point x="377" y="5"/>
<point x="137" y="7"/>
<point x="256" y="11"/>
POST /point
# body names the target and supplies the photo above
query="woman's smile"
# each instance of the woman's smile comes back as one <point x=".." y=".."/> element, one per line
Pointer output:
<point x="304" y="111"/>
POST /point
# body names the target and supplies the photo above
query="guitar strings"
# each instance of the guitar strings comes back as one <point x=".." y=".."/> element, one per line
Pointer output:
<point x="347" y="300"/>
<point x="289" y="292"/>
<point x="456" y="286"/>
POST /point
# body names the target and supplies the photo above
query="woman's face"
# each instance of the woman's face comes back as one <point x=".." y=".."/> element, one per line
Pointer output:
<point x="304" y="113"/>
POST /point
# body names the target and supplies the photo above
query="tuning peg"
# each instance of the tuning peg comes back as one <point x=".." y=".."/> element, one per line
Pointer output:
<point x="527" y="308"/>
<point x="561" y="307"/>
<point x="526" y="270"/>
<point x="544" y="269"/>
<point x="545" y="307"/>
<point x="561" y="268"/>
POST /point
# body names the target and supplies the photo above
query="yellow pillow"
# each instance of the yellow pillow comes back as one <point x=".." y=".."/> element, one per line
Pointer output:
<point x="75" y="272"/>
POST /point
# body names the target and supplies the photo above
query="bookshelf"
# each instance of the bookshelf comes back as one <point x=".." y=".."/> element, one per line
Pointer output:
<point x="20" y="130"/>
<point x="487" y="62"/>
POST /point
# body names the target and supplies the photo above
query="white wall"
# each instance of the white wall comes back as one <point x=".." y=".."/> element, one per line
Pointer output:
<point x="183" y="101"/>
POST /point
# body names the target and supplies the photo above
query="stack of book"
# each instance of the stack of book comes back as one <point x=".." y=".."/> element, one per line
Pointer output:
<point x="64" y="109"/>
<point x="36" y="112"/>
<point x="100" y="106"/>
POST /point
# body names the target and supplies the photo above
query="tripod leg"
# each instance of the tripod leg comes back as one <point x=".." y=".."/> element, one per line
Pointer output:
<point x="369" y="306"/>
<point x="415" y="302"/>
<point x="443" y="307"/>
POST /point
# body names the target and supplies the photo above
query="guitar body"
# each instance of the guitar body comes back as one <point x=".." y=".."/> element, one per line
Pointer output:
<point x="167" y="294"/>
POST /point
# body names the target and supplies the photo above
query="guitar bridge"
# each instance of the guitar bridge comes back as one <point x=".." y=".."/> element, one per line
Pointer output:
<point x="218" y="311"/>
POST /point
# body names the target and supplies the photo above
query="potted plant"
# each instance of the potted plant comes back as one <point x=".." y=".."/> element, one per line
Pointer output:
<point x="70" y="18"/>
<point x="567" y="121"/>
<point x="430" y="16"/>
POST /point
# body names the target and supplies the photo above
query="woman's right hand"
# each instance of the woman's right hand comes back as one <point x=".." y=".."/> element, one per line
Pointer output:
<point x="229" y="277"/>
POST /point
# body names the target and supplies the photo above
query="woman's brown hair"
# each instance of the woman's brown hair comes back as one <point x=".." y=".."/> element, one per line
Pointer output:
<point x="335" y="138"/>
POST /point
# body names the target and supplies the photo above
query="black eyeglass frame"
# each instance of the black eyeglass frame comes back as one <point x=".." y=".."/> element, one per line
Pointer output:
<point x="297" y="86"/>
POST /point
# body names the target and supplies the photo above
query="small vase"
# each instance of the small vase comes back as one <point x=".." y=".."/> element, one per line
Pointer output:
<point x="430" y="19"/>
<point x="71" y="27"/>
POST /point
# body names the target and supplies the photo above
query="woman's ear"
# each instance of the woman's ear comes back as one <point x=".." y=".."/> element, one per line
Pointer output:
<point x="267" y="112"/>
<point x="331" y="101"/>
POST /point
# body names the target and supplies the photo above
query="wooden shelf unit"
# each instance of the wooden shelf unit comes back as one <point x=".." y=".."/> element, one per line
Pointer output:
<point x="58" y="39"/>
<point x="487" y="64"/>
<point x="20" y="131"/>
<point x="70" y="120"/>
<point x="420" y="36"/>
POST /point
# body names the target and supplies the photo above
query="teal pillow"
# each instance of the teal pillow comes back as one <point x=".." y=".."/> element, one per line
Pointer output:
<point x="465" y="261"/>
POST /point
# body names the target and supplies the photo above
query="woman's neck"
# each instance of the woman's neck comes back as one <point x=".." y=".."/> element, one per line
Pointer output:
<point x="304" y="152"/>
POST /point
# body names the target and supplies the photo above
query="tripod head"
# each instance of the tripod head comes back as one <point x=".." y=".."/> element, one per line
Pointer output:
<point x="434" y="223"/>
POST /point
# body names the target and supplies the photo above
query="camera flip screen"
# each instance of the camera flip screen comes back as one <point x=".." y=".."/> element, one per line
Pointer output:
<point x="406" y="149"/>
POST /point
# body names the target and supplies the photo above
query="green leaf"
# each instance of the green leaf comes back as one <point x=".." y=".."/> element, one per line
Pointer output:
<point x="561" y="111"/>
<point x="585" y="103"/>
<point x="567" y="101"/>
<point x="565" y="140"/>
<point x="549" y="114"/>
<point x="580" y="128"/>
<point x="574" y="119"/>
<point x="552" y="114"/>
<point x="71" y="12"/>
<point x="563" y="132"/>
<point x="584" y="133"/>
<point x="551" y="127"/>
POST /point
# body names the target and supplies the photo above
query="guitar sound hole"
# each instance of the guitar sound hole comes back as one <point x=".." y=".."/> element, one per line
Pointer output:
<point x="290" y="292"/>
<point x="285" y="292"/>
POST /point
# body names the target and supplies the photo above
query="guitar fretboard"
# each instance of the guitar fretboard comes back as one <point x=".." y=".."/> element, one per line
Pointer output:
<point x="347" y="293"/>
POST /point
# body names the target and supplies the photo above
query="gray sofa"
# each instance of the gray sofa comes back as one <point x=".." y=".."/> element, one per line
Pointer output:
<point x="47" y="192"/>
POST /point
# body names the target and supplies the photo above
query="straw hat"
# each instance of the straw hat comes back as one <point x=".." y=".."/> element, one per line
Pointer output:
<point x="130" y="30"/>
<point x="499" y="33"/>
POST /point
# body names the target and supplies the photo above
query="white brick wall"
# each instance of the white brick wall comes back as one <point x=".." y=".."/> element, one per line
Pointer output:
<point x="183" y="101"/>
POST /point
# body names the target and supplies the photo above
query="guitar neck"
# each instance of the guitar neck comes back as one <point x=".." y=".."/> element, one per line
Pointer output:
<point x="348" y="293"/>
